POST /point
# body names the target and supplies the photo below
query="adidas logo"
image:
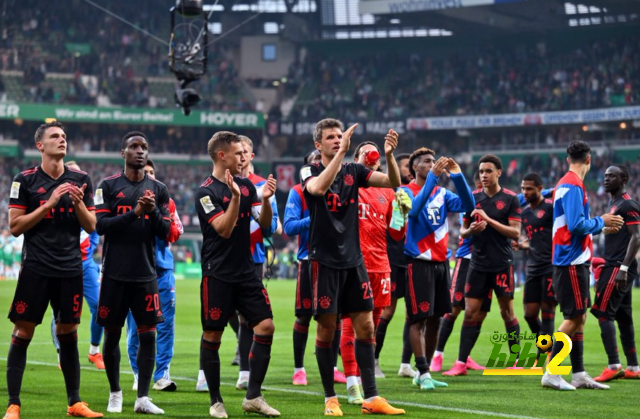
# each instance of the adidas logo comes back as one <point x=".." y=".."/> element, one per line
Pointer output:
<point x="120" y="195"/>
<point x="225" y="199"/>
<point x="41" y="190"/>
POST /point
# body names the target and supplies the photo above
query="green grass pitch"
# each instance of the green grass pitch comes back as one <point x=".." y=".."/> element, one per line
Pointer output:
<point x="473" y="396"/>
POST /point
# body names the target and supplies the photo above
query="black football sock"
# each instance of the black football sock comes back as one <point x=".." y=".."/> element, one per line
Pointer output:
<point x="111" y="357"/>
<point x="547" y="325"/>
<point x="16" y="363"/>
<point x="513" y="327"/>
<point x="300" y="336"/>
<point x="259" y="358"/>
<point x="381" y="332"/>
<point x="406" y="343"/>
<point x="608" y="334"/>
<point x="210" y="364"/>
<point x="324" y="357"/>
<point x="70" y="365"/>
<point x="577" y="352"/>
<point x="365" y="357"/>
<point x="468" y="337"/>
<point x="335" y="345"/>
<point x="146" y="359"/>
<point x="234" y="323"/>
<point x="534" y="324"/>
<point x="422" y="365"/>
<point x="446" y="326"/>
<point x="245" y="340"/>
<point x="556" y="348"/>
<point x="627" y="338"/>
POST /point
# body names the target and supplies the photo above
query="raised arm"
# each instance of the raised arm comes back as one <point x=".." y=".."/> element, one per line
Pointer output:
<point x="320" y="184"/>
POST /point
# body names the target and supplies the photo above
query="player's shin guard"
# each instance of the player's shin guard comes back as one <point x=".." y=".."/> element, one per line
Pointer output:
<point x="16" y="362"/>
<point x="446" y="326"/>
<point x="300" y="336"/>
<point x="335" y="345"/>
<point x="347" y="349"/>
<point x="366" y="361"/>
<point x="146" y="359"/>
<point x="406" y="343"/>
<point x="324" y="357"/>
<point x="259" y="358"/>
<point x="245" y="340"/>
<point x="627" y="338"/>
<point x="381" y="332"/>
<point x="513" y="327"/>
<point x="577" y="352"/>
<point x="468" y="337"/>
<point x="210" y="364"/>
<point x="70" y="365"/>
<point x="111" y="356"/>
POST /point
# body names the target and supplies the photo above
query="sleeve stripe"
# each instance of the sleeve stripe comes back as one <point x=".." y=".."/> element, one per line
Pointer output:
<point x="17" y="206"/>
<point x="630" y="223"/>
<point x="102" y="210"/>
<point x="255" y="204"/>
<point x="91" y="208"/>
<point x="215" y="216"/>
<point x="369" y="175"/>
<point x="515" y="218"/>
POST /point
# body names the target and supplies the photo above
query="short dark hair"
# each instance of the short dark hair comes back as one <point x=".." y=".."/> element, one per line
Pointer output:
<point x="131" y="134"/>
<point x="221" y="140"/>
<point x="44" y="127"/>
<point x="578" y="151"/>
<point x="151" y="163"/>
<point x="419" y="152"/>
<point x="362" y="144"/>
<point x="324" y="124"/>
<point x="402" y="156"/>
<point x="491" y="158"/>
<point x="533" y="177"/>
<point x="625" y="172"/>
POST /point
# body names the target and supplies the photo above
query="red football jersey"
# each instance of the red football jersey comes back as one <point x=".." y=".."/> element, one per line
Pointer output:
<point x="374" y="214"/>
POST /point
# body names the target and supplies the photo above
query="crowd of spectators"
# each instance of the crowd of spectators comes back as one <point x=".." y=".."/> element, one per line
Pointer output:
<point x="80" y="40"/>
<point x="491" y="80"/>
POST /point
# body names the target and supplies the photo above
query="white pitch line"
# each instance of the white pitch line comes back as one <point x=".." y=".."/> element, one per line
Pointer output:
<point x="320" y="395"/>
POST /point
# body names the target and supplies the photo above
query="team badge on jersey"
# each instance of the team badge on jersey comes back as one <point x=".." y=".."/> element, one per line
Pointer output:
<point x="15" y="190"/>
<point x="500" y="205"/>
<point x="98" y="198"/>
<point x="348" y="179"/>
<point x="207" y="205"/>
<point x="244" y="190"/>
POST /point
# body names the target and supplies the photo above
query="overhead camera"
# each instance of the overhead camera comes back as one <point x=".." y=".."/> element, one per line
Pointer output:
<point x="188" y="55"/>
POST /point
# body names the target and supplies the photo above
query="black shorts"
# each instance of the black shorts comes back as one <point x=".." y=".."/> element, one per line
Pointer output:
<point x="479" y="283"/>
<point x="458" y="283"/>
<point x="304" y="295"/>
<point x="340" y="291"/>
<point x="571" y="284"/>
<point x="427" y="292"/>
<point x="34" y="292"/>
<point x="259" y="270"/>
<point x="221" y="299"/>
<point x="118" y="297"/>
<point x="539" y="288"/>
<point x="612" y="302"/>
<point x="398" y="281"/>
